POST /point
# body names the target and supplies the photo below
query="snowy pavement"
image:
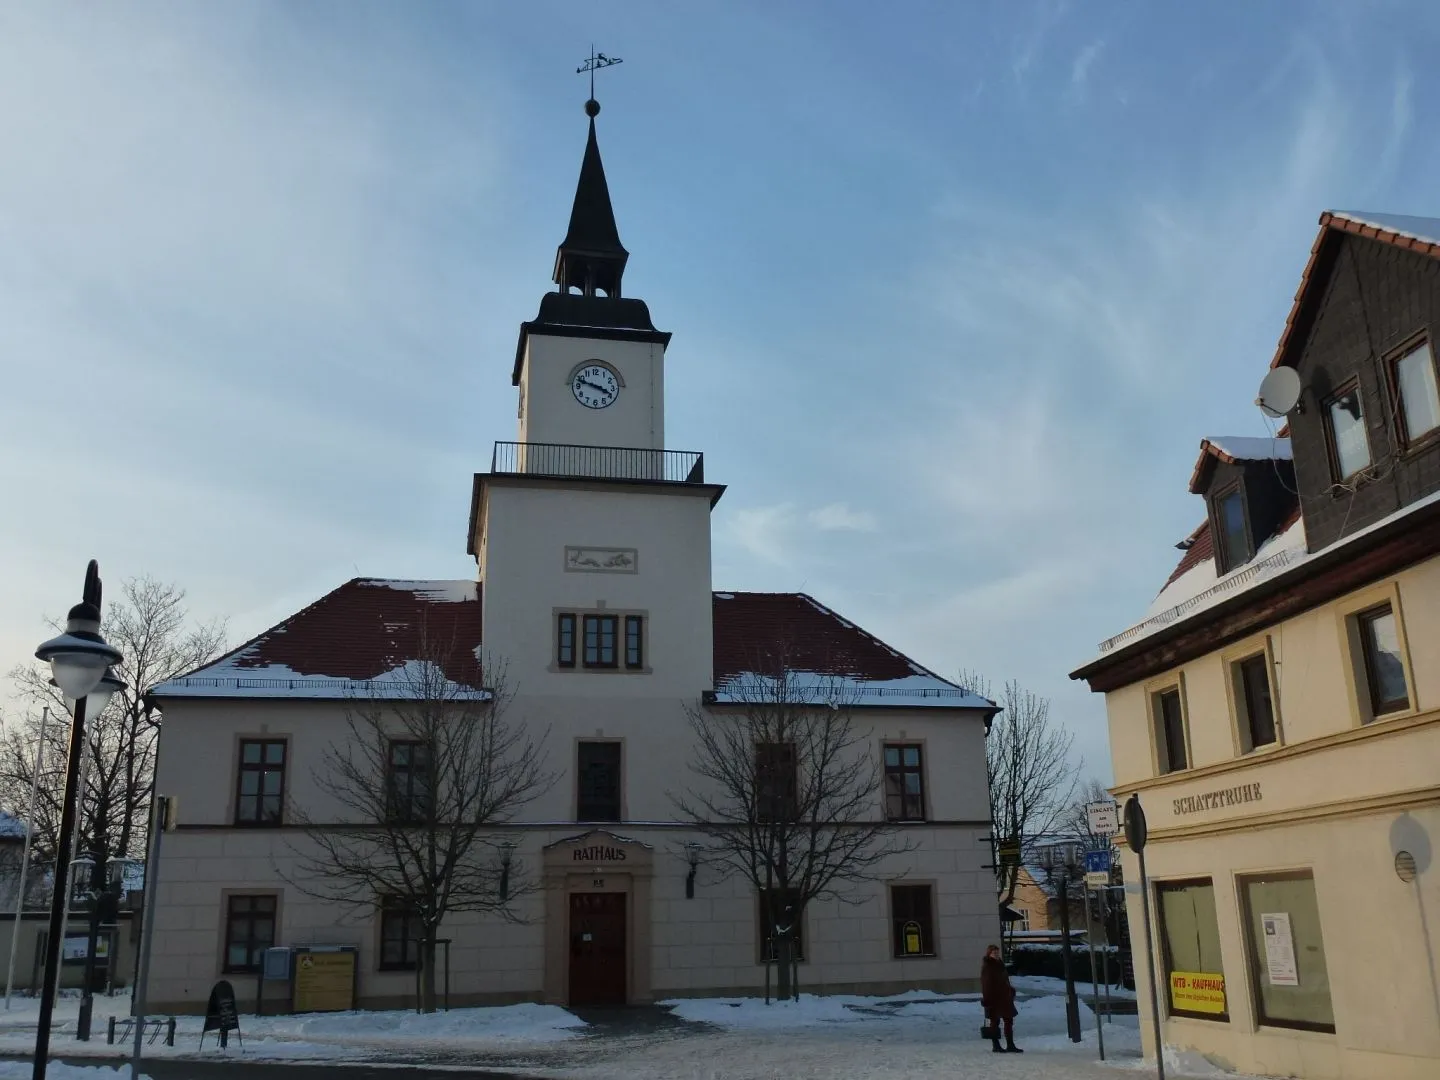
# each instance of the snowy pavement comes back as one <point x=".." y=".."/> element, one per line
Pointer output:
<point x="919" y="1035"/>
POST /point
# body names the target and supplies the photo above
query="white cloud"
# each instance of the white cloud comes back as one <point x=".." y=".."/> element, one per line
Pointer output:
<point x="1084" y="59"/>
<point x="839" y="517"/>
<point x="763" y="531"/>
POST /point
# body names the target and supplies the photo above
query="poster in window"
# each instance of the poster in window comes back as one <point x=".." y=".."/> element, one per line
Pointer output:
<point x="1279" y="949"/>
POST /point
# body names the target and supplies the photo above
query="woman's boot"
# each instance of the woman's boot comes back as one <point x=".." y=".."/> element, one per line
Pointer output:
<point x="995" y="1043"/>
<point x="1010" y="1047"/>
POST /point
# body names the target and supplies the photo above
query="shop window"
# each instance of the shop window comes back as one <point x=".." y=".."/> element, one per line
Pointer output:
<point x="1190" y="946"/>
<point x="1287" y="952"/>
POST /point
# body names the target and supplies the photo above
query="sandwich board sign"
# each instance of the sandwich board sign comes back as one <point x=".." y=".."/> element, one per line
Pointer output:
<point x="221" y="1014"/>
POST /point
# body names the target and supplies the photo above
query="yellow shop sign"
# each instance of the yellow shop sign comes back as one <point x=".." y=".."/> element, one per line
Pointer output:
<point x="1197" y="991"/>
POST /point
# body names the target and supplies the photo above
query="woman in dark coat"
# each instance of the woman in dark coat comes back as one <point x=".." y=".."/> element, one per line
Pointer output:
<point x="998" y="998"/>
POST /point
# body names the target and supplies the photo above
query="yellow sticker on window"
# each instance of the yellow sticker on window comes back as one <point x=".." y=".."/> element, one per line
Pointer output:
<point x="1197" y="991"/>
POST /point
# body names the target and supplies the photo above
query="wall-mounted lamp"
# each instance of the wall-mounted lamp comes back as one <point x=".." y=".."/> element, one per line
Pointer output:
<point x="507" y="855"/>
<point x="692" y="852"/>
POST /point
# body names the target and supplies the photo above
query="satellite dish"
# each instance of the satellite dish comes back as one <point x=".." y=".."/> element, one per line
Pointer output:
<point x="1279" y="392"/>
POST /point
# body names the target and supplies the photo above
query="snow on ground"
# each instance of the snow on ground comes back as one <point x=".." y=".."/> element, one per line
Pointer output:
<point x="307" y="1037"/>
<point x="522" y="1023"/>
<point x="919" y="1035"/>
<point x="915" y="1036"/>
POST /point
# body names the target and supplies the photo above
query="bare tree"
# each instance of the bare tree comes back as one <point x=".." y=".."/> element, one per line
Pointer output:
<point x="788" y="798"/>
<point x="152" y="628"/>
<point x="1031" y="776"/>
<point x="431" y="764"/>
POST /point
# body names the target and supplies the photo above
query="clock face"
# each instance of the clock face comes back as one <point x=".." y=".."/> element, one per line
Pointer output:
<point x="595" y="386"/>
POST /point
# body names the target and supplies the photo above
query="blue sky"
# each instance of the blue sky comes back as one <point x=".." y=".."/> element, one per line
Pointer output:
<point x="956" y="288"/>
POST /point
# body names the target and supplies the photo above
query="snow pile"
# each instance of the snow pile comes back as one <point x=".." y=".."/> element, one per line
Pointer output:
<point x="518" y="1023"/>
<point x="1190" y="1064"/>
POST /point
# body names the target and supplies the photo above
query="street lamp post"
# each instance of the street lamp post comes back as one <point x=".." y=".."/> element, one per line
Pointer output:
<point x="78" y="661"/>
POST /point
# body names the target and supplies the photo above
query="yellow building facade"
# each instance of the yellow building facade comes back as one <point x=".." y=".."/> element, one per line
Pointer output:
<point x="1278" y="710"/>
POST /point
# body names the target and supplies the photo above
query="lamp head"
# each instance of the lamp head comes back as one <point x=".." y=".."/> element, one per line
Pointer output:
<point x="79" y="657"/>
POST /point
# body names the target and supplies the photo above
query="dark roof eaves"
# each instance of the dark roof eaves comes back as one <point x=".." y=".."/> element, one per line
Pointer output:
<point x="1322" y="563"/>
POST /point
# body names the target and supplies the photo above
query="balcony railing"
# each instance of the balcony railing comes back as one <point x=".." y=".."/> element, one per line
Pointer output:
<point x="605" y="462"/>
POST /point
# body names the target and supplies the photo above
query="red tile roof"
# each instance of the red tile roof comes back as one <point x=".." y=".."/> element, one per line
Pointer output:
<point x="368" y="627"/>
<point x="1202" y="547"/>
<point x="357" y="633"/>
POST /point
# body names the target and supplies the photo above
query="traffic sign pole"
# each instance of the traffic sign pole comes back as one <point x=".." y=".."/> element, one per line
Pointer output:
<point x="1094" y="978"/>
<point x="1136" y="834"/>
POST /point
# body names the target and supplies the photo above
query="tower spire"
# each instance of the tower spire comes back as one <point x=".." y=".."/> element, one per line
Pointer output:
<point x="591" y="257"/>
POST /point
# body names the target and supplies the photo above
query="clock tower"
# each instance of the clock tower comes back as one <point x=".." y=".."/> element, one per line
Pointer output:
<point x="590" y="366"/>
<point x="592" y="539"/>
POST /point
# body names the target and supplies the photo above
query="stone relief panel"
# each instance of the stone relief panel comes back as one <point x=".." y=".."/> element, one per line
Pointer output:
<point x="602" y="560"/>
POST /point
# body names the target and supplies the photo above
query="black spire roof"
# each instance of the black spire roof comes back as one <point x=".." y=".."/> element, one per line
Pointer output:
<point x="591" y="258"/>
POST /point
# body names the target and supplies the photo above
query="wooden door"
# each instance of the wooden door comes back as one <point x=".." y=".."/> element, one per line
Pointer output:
<point x="597" y="949"/>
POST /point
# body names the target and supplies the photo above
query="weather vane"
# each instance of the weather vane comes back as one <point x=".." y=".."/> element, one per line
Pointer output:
<point x="595" y="62"/>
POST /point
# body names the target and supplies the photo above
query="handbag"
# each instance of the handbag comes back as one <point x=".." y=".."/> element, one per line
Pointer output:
<point x="987" y="1031"/>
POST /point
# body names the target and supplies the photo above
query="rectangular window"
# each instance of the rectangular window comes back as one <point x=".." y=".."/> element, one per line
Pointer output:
<point x="1287" y="953"/>
<point x="1170" y="730"/>
<point x="597" y="794"/>
<point x="1419" y="398"/>
<point x="634" y="641"/>
<point x="911" y="916"/>
<point x="401" y="929"/>
<point x="775" y="781"/>
<point x="904" y="784"/>
<point x="600" y="632"/>
<point x="1190" y="946"/>
<point x="410" y="790"/>
<point x="1384" y="667"/>
<point x="1234" y="534"/>
<point x="1348" y="440"/>
<point x="249" y="931"/>
<point x="1254" y="701"/>
<point x="777" y="912"/>
<point x="565" y="640"/>
<point x="260" y="787"/>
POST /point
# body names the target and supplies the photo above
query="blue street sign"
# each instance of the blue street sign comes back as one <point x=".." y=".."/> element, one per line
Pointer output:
<point x="1097" y="862"/>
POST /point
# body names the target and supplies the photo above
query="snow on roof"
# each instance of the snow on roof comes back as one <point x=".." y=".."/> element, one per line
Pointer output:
<point x="1421" y="228"/>
<point x="827" y="657"/>
<point x="1199" y="588"/>
<point x="1248" y="448"/>
<point x="1233" y="448"/>
<point x="364" y="637"/>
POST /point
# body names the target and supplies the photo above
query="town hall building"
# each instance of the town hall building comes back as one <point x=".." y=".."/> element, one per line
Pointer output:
<point x="592" y="544"/>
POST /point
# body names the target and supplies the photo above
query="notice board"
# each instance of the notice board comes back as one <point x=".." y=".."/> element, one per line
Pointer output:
<point x="324" y="980"/>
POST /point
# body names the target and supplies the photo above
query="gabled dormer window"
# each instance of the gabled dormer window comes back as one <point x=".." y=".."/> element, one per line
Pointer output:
<point x="1232" y="531"/>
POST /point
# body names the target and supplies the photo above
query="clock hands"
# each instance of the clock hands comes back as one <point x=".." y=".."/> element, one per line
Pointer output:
<point x="594" y="386"/>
